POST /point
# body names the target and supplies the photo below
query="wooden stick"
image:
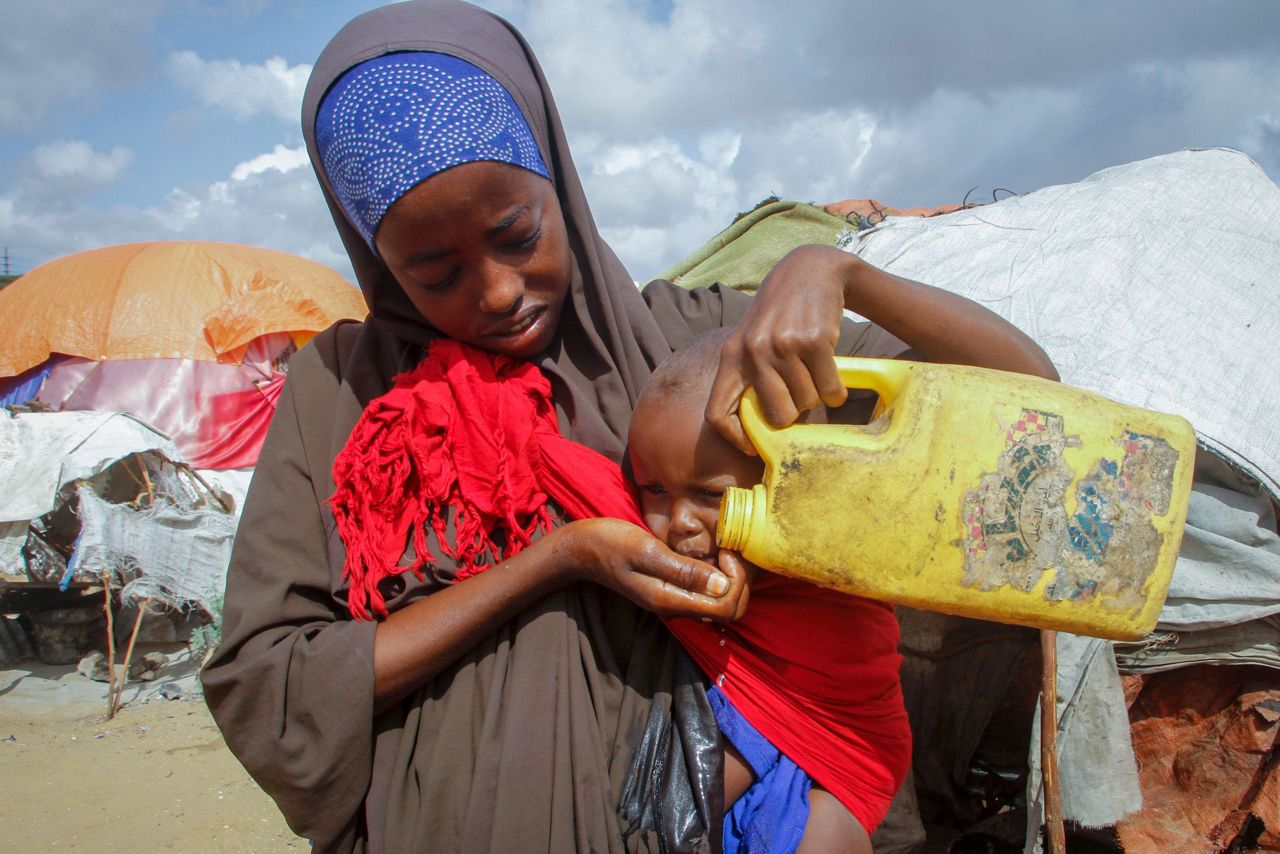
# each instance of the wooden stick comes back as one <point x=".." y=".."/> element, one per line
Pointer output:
<point x="146" y="479"/>
<point x="133" y="637"/>
<point x="1049" y="742"/>
<point x="133" y="476"/>
<point x="212" y="492"/>
<point x="111" y="646"/>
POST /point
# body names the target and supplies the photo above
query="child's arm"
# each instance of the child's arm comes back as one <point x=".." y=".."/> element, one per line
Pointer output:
<point x="785" y="345"/>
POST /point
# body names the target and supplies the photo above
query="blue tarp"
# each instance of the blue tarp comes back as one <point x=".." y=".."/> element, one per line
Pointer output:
<point x="18" y="390"/>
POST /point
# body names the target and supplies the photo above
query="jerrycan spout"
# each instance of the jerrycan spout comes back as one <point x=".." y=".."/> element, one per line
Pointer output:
<point x="736" y="508"/>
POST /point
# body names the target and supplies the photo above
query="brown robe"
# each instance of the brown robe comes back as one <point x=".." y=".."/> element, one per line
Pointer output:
<point x="528" y="742"/>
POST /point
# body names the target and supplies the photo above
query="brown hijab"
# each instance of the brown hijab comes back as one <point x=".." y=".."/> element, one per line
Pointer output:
<point x="543" y="737"/>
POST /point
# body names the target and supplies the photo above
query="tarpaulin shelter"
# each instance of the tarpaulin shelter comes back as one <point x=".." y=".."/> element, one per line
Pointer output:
<point x="134" y="511"/>
<point x="190" y="336"/>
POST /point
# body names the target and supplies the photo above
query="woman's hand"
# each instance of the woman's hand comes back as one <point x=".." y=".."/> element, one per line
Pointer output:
<point x="632" y="562"/>
<point x="416" y="642"/>
<point x="785" y="345"/>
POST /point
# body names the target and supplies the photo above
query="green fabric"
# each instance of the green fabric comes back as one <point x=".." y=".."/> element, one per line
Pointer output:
<point x="744" y="253"/>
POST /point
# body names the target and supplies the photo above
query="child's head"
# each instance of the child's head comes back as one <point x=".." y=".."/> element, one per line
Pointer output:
<point x="680" y="463"/>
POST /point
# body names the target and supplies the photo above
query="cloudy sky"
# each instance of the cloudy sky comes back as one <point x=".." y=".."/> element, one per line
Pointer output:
<point x="163" y="119"/>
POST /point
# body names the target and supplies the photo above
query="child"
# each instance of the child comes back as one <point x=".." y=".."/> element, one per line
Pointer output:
<point x="811" y="673"/>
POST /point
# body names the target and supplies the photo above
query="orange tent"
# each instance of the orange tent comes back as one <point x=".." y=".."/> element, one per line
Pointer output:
<point x="167" y="300"/>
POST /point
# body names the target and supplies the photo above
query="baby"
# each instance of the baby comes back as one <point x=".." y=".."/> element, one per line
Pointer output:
<point x="806" y="683"/>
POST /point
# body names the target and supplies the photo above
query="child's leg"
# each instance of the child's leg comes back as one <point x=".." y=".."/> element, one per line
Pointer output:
<point x="738" y="775"/>
<point x="831" y="828"/>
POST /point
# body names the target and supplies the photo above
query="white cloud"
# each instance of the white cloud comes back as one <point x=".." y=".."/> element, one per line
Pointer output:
<point x="281" y="159"/>
<point x="72" y="162"/>
<point x="650" y="196"/>
<point x="69" y="49"/>
<point x="267" y="205"/>
<point x="911" y="105"/>
<point x="244" y="90"/>
<point x="811" y="156"/>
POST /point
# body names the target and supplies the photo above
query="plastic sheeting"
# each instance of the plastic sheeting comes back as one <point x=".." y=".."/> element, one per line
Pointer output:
<point x="1096" y="766"/>
<point x="121" y="493"/>
<point x="1254" y="642"/>
<point x="167" y="300"/>
<point x="168" y="553"/>
<point x="217" y="415"/>
<point x="1228" y="569"/>
<point x="1153" y="283"/>
<point x="1205" y="738"/>
<point x="16" y="391"/>
<point x="42" y="451"/>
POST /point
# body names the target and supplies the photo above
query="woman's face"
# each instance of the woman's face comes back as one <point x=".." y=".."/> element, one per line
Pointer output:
<point x="481" y="250"/>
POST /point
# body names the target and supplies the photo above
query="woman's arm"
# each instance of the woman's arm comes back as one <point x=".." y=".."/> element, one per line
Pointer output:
<point x="420" y="640"/>
<point x="785" y="345"/>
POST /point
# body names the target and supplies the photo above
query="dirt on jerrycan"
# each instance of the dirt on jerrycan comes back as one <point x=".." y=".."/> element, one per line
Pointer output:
<point x="975" y="492"/>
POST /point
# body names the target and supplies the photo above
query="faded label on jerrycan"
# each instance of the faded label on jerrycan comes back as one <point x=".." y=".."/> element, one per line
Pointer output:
<point x="1018" y="525"/>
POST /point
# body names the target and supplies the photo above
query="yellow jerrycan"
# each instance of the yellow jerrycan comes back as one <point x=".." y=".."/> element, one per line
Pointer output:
<point x="975" y="492"/>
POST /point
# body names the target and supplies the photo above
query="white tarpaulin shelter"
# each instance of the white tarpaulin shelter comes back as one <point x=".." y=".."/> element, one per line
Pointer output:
<point x="172" y="544"/>
<point x="42" y="451"/>
<point x="1156" y="283"/>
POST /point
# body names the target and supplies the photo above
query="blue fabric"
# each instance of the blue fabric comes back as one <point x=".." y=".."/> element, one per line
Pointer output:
<point x="22" y="388"/>
<point x="770" y="816"/>
<point x="390" y="123"/>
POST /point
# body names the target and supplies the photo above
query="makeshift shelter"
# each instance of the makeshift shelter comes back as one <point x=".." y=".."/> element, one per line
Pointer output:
<point x="190" y="336"/>
<point x="161" y="362"/>
<point x="104" y="496"/>
<point x="1155" y="283"/>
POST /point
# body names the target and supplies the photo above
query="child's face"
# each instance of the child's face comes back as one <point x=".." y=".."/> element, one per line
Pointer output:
<point x="482" y="252"/>
<point x="682" y="467"/>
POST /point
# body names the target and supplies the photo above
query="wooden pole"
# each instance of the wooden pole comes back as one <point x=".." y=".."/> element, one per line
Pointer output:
<point x="1049" y="743"/>
<point x="133" y="637"/>
<point x="212" y="492"/>
<point x="146" y="479"/>
<point x="111" y="646"/>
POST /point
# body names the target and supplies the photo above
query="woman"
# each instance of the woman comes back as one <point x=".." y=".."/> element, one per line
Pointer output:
<point x="540" y="704"/>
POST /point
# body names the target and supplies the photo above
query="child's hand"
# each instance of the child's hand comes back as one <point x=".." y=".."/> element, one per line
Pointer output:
<point x="785" y="346"/>
<point x="631" y="561"/>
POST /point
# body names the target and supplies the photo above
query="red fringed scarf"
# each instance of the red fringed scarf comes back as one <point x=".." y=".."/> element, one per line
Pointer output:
<point x="472" y="431"/>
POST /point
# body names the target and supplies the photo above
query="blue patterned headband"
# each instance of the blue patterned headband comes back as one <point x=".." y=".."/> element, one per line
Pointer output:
<point x="390" y="123"/>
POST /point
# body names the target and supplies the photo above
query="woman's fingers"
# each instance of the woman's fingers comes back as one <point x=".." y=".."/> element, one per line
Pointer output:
<point x="786" y="389"/>
<point x="681" y="586"/>
<point x="722" y="406"/>
<point x="826" y="379"/>
<point x="736" y="569"/>
<point x="784" y="347"/>
<point x="634" y="563"/>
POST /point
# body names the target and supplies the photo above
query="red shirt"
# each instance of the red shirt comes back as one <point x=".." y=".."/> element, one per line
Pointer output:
<point x="816" y="672"/>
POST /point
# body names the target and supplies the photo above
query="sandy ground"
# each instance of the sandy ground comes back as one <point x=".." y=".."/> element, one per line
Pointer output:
<point x="157" y="777"/>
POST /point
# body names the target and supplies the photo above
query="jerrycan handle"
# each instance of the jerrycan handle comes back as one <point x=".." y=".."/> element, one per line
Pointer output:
<point x="886" y="377"/>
